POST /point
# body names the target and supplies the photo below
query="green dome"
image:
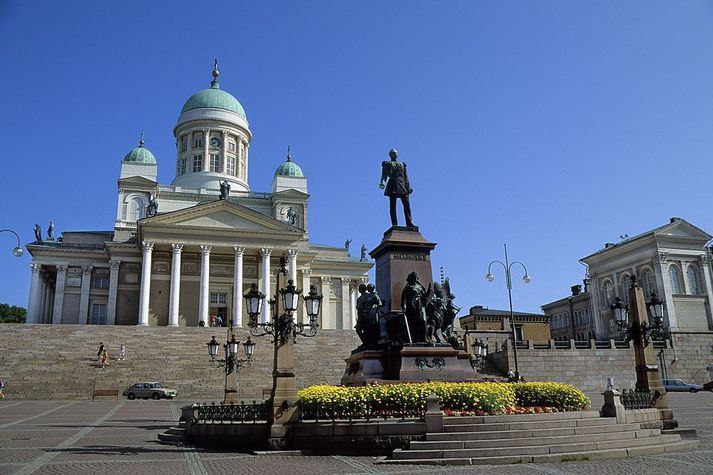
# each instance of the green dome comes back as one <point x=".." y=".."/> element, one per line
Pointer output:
<point x="289" y="168"/>
<point x="140" y="155"/>
<point x="214" y="98"/>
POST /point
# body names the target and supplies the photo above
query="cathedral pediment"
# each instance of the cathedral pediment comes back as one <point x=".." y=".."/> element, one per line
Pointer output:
<point x="218" y="218"/>
<point x="136" y="182"/>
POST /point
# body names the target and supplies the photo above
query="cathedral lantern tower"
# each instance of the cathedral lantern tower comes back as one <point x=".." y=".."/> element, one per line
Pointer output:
<point x="212" y="140"/>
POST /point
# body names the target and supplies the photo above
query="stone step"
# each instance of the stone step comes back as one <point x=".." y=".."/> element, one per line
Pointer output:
<point x="530" y="425"/>
<point x="515" y="434"/>
<point x="547" y="416"/>
<point x="560" y="452"/>
<point x="529" y="440"/>
<point x="550" y="458"/>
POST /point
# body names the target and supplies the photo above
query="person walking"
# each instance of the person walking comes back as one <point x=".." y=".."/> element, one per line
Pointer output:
<point x="122" y="353"/>
<point x="2" y="388"/>
<point x="101" y="351"/>
<point x="104" y="359"/>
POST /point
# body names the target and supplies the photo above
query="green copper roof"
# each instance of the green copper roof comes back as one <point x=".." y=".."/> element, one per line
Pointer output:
<point x="289" y="168"/>
<point x="140" y="155"/>
<point x="214" y="98"/>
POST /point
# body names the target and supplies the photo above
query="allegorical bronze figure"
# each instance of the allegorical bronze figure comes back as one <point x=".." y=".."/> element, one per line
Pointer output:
<point x="394" y="182"/>
<point x="414" y="299"/>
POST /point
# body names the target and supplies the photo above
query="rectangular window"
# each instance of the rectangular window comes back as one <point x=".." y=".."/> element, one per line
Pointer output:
<point x="101" y="282"/>
<point x="218" y="299"/>
<point x="231" y="166"/>
<point x="184" y="144"/>
<point x="518" y="333"/>
<point x="214" y="162"/>
<point x="197" y="143"/>
<point x="197" y="163"/>
<point x="231" y="146"/>
<point x="99" y="314"/>
<point x="182" y="166"/>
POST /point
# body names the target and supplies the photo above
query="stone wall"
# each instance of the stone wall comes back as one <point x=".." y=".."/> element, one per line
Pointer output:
<point x="59" y="361"/>
<point x="589" y="368"/>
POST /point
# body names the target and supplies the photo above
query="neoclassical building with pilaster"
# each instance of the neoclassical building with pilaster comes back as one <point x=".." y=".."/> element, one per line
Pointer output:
<point x="178" y="254"/>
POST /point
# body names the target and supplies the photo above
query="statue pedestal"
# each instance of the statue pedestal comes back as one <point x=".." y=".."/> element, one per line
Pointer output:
<point x="411" y="363"/>
<point x="401" y="251"/>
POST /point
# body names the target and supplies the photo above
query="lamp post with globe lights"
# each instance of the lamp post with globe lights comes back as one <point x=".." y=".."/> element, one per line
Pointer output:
<point x="284" y="330"/>
<point x="17" y="251"/>
<point x="507" y="265"/>
<point x="232" y="364"/>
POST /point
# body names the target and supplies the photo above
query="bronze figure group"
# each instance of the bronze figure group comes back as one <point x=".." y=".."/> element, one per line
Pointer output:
<point x="429" y="313"/>
<point x="368" y="305"/>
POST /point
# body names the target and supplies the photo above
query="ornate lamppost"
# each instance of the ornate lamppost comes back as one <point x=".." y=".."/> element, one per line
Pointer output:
<point x="479" y="353"/>
<point x="508" y="281"/>
<point x="17" y="251"/>
<point x="231" y="363"/>
<point x="643" y="331"/>
<point x="284" y="330"/>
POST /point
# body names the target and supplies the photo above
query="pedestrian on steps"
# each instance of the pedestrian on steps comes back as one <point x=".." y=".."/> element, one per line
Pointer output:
<point x="104" y="359"/>
<point x="2" y="387"/>
<point x="122" y="353"/>
<point x="101" y="351"/>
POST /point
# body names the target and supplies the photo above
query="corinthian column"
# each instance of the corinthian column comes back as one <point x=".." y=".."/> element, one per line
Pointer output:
<point x="175" y="285"/>
<point x="266" y="252"/>
<point x="292" y="265"/>
<point x="238" y="287"/>
<point x="113" y="289"/>
<point x="33" y="307"/>
<point x="204" y="302"/>
<point x="145" y="295"/>
<point x="59" y="294"/>
<point x="84" y="296"/>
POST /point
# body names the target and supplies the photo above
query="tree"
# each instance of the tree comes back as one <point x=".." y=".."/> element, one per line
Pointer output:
<point x="12" y="314"/>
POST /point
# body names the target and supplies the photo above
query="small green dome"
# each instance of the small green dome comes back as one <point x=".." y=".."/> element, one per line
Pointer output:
<point x="214" y="98"/>
<point x="140" y="155"/>
<point x="289" y="168"/>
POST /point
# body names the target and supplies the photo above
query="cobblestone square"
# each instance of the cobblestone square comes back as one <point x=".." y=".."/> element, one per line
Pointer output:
<point x="121" y="436"/>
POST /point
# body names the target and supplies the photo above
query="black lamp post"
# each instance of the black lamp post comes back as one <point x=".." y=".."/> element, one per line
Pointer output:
<point x="508" y="281"/>
<point x="231" y="362"/>
<point x="656" y="329"/>
<point x="480" y="353"/>
<point x="17" y="251"/>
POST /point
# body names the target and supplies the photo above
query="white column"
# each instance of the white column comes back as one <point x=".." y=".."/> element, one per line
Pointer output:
<point x="204" y="300"/>
<point x="113" y="290"/>
<point x="175" y="285"/>
<point x="327" y="317"/>
<point x="705" y="276"/>
<point x="224" y="153"/>
<point x="305" y="290"/>
<point x="266" y="252"/>
<point x="206" y="150"/>
<point x="292" y="265"/>
<point x="663" y="285"/>
<point x="84" y="296"/>
<point x="59" y="294"/>
<point x="352" y="303"/>
<point x="238" y="287"/>
<point x="43" y="300"/>
<point x="34" y="303"/>
<point x="346" y="305"/>
<point x="147" y="247"/>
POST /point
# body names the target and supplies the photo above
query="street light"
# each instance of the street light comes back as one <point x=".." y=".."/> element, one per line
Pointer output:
<point x="231" y="363"/>
<point x="508" y="281"/>
<point x="620" y="312"/>
<point x="656" y="329"/>
<point x="283" y="326"/>
<point x="480" y="353"/>
<point x="17" y="251"/>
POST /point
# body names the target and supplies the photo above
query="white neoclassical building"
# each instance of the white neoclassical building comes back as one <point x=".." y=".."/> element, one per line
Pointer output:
<point x="673" y="261"/>
<point x="178" y="254"/>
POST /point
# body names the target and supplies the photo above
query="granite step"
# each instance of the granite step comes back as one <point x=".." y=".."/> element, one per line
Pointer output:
<point x="535" y="432"/>
<point x="530" y="425"/>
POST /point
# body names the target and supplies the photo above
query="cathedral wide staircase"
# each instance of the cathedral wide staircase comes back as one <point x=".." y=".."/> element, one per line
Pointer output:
<point x="524" y="438"/>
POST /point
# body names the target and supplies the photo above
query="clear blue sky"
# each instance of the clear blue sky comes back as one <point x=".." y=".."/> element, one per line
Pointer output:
<point x="554" y="126"/>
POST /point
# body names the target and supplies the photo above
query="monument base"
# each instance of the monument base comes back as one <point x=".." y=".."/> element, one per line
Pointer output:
<point x="394" y="363"/>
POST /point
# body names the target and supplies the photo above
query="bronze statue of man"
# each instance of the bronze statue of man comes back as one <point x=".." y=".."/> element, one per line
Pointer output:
<point x="414" y="299"/>
<point x="394" y="182"/>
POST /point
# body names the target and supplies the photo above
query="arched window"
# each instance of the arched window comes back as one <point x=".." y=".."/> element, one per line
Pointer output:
<point x="647" y="281"/>
<point x="608" y="293"/>
<point x="675" y="275"/>
<point x="625" y="285"/>
<point x="136" y="209"/>
<point x="692" y="275"/>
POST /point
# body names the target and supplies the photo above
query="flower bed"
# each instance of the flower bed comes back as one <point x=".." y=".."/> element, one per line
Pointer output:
<point x="409" y="399"/>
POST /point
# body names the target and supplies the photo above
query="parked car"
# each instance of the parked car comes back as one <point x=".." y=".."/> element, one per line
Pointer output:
<point x="152" y="390"/>
<point x="681" y="385"/>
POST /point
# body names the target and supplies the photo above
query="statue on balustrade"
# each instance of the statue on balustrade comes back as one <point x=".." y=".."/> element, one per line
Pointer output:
<point x="414" y="299"/>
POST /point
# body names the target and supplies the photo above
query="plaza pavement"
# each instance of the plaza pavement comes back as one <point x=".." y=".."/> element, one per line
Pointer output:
<point x="120" y="437"/>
